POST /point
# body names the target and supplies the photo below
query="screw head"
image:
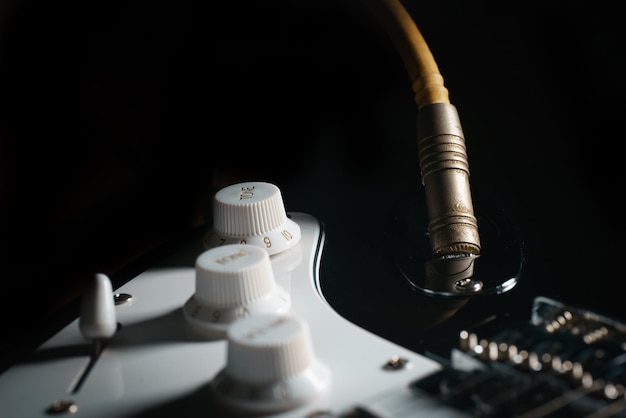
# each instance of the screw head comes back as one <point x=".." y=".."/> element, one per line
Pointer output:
<point x="396" y="363"/>
<point x="468" y="285"/>
<point x="122" y="298"/>
<point x="62" y="406"/>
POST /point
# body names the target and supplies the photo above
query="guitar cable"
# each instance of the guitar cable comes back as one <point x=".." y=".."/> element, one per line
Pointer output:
<point x="444" y="167"/>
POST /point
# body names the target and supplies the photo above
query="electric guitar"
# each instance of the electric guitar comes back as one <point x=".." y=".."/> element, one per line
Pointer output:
<point x="244" y="319"/>
<point x="335" y="308"/>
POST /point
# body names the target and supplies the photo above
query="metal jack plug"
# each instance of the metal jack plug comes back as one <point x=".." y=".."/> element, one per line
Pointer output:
<point x="434" y="236"/>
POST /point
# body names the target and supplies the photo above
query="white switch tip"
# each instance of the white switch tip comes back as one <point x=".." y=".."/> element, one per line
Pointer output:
<point x="97" y="312"/>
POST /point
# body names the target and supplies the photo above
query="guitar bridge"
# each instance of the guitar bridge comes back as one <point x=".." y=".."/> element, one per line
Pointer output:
<point x="556" y="318"/>
<point x="565" y="362"/>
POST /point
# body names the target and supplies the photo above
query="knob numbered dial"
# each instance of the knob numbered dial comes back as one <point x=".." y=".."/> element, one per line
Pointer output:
<point x="252" y="213"/>
<point x="232" y="281"/>
<point x="271" y="366"/>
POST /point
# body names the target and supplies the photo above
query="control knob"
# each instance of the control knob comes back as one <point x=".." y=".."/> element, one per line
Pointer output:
<point x="271" y="367"/>
<point x="252" y="213"/>
<point x="232" y="281"/>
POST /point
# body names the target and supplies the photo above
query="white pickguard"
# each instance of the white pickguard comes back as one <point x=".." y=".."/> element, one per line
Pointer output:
<point x="150" y="368"/>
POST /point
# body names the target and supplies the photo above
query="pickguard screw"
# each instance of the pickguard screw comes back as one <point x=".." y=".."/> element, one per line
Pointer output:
<point x="396" y="363"/>
<point x="62" y="407"/>
<point x="122" y="298"/>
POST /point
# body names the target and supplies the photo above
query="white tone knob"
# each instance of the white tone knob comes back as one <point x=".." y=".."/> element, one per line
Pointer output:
<point x="252" y="213"/>
<point x="232" y="281"/>
<point x="97" y="311"/>
<point x="271" y="366"/>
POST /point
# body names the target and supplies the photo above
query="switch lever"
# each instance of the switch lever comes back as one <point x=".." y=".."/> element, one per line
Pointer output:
<point x="97" y="312"/>
<point x="97" y="322"/>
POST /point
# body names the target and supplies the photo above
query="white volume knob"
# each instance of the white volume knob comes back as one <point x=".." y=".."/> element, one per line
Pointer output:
<point x="232" y="281"/>
<point x="271" y="366"/>
<point x="252" y="213"/>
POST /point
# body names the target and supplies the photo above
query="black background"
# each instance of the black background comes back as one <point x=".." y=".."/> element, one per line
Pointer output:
<point x="119" y="120"/>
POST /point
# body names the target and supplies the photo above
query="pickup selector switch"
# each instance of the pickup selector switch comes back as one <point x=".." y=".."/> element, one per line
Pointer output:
<point x="232" y="281"/>
<point x="252" y="213"/>
<point x="97" y="309"/>
<point x="271" y="367"/>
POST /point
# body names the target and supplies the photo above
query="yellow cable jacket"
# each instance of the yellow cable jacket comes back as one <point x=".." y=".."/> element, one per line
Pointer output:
<point x="422" y="68"/>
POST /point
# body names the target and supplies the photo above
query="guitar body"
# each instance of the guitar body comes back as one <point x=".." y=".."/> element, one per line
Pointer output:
<point x="445" y="366"/>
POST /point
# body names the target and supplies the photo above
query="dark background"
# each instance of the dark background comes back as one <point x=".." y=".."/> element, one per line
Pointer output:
<point x="119" y="119"/>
